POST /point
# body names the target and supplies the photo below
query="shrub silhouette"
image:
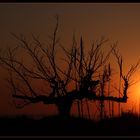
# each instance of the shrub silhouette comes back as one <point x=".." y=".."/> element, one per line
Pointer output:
<point x="88" y="71"/>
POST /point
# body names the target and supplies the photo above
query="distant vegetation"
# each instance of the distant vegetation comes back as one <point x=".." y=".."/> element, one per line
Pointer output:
<point x="127" y="124"/>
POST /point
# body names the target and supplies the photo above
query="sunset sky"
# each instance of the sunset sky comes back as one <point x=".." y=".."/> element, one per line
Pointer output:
<point x="115" y="21"/>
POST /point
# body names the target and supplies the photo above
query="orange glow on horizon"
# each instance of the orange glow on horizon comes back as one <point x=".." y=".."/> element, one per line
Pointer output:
<point x="116" y="22"/>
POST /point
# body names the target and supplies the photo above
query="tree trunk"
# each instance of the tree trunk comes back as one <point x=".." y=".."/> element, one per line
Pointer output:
<point x="64" y="107"/>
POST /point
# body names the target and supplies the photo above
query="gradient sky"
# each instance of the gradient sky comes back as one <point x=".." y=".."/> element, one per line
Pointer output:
<point x="118" y="22"/>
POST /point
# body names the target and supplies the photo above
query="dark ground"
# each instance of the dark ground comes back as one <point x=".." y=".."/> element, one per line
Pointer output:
<point x="126" y="125"/>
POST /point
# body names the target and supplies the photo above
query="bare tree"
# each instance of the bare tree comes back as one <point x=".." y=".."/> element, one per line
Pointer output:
<point x="86" y="71"/>
<point x="127" y="78"/>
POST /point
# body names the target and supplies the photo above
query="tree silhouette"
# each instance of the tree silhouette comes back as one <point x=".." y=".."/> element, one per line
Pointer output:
<point x="87" y="71"/>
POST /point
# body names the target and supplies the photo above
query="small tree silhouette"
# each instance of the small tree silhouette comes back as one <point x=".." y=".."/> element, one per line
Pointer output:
<point x="88" y="72"/>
